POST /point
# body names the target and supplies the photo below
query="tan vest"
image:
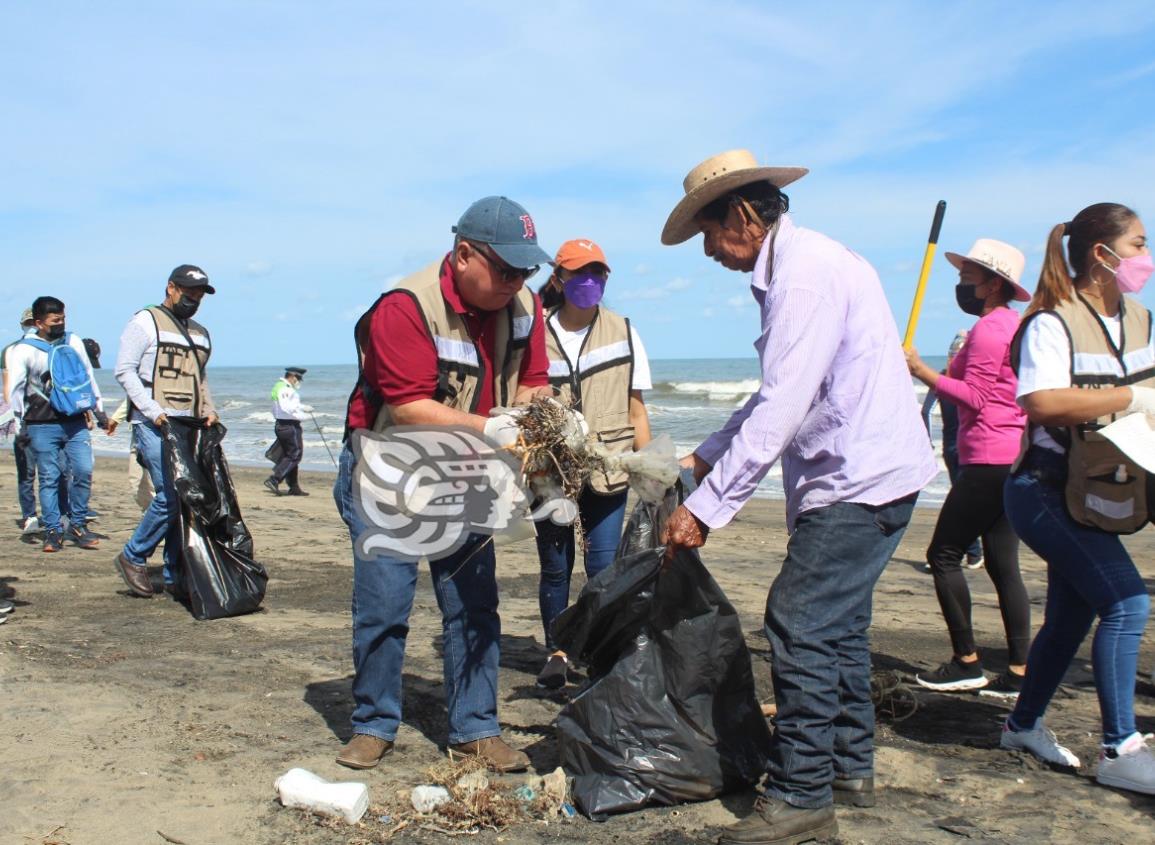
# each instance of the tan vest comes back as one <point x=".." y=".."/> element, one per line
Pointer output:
<point x="459" y="362"/>
<point x="182" y="353"/>
<point x="1105" y="489"/>
<point x="598" y="385"/>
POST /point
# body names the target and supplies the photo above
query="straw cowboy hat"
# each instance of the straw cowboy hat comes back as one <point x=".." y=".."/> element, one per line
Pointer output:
<point x="716" y="177"/>
<point x="1000" y="258"/>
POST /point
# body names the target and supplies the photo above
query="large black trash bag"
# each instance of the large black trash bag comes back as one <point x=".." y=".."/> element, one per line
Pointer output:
<point x="218" y="570"/>
<point x="670" y="713"/>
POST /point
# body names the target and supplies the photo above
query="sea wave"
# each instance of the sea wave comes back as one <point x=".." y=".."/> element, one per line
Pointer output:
<point x="715" y="391"/>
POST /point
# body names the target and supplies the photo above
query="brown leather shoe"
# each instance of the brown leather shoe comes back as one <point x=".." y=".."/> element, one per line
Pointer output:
<point x="364" y="751"/>
<point x="135" y="577"/>
<point x="493" y="750"/>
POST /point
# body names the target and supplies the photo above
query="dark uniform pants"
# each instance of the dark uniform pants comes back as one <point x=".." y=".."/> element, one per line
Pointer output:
<point x="292" y="443"/>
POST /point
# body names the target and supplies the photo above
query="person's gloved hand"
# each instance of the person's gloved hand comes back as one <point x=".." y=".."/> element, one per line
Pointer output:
<point x="502" y="427"/>
<point x="308" y="409"/>
<point x="1142" y="401"/>
<point x="576" y="428"/>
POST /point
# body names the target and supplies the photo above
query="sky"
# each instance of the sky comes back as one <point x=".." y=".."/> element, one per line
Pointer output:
<point x="309" y="155"/>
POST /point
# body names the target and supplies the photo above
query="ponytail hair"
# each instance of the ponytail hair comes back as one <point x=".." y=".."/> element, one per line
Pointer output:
<point x="551" y="297"/>
<point x="1101" y="223"/>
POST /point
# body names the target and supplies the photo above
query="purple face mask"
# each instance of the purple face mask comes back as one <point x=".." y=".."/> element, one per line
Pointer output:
<point x="584" y="290"/>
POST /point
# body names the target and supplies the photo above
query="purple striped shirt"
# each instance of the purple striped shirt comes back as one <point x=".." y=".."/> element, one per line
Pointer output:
<point x="836" y="402"/>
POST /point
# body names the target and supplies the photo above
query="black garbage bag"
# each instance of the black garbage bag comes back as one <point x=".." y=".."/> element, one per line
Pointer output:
<point x="275" y="452"/>
<point x="218" y="571"/>
<point x="670" y="712"/>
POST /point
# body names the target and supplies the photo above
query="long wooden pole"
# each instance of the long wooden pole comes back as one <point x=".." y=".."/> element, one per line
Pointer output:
<point x="924" y="274"/>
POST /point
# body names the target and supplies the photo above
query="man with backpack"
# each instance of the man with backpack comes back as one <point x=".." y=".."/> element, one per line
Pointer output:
<point x="53" y="396"/>
<point x="161" y="366"/>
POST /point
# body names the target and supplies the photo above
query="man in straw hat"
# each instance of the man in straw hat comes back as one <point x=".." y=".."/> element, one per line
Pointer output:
<point x="836" y="405"/>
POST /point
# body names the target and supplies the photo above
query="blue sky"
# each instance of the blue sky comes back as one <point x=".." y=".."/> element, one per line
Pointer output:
<point x="307" y="155"/>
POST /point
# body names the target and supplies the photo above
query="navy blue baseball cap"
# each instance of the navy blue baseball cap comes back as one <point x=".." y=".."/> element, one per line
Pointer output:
<point x="506" y="227"/>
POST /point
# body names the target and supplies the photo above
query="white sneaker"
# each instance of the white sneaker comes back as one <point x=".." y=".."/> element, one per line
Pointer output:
<point x="1133" y="768"/>
<point x="977" y="563"/>
<point x="30" y="526"/>
<point x="1041" y="742"/>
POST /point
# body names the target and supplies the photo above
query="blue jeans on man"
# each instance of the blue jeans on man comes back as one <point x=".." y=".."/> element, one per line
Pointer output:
<point x="465" y="584"/>
<point x="817" y="617"/>
<point x="26" y="479"/>
<point x="159" y="521"/>
<point x="1089" y="575"/>
<point x="601" y="520"/>
<point x="48" y="441"/>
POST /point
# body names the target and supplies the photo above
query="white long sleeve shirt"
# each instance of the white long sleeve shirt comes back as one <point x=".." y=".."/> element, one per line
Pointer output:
<point x="26" y="363"/>
<point x="287" y="403"/>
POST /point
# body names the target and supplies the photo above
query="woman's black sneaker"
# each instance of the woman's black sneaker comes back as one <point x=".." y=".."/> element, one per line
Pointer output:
<point x="954" y="676"/>
<point x="1008" y="685"/>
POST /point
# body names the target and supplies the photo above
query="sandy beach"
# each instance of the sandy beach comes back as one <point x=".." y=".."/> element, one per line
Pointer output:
<point x="123" y="717"/>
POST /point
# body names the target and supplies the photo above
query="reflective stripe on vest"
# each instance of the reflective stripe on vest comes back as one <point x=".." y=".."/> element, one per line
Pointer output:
<point x="178" y="374"/>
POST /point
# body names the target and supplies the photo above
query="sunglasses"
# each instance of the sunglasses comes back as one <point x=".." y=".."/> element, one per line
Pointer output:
<point x="508" y="274"/>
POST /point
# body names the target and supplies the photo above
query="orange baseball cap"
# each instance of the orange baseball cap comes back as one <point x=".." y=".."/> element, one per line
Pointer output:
<point x="578" y="253"/>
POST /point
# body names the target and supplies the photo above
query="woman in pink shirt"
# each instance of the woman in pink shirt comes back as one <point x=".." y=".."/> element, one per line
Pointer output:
<point x="981" y="383"/>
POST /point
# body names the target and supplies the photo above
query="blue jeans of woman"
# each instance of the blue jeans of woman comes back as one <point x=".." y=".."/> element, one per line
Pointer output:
<point x="817" y="617"/>
<point x="601" y="520"/>
<point x="159" y="520"/>
<point x="465" y="584"/>
<point x="63" y="453"/>
<point x="1089" y="575"/>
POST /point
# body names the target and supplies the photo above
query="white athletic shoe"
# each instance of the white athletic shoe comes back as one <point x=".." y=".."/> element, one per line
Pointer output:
<point x="1132" y="768"/>
<point x="1041" y="742"/>
<point x="30" y="526"/>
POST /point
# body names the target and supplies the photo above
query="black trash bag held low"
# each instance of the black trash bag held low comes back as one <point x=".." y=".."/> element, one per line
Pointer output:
<point x="218" y="570"/>
<point x="670" y="713"/>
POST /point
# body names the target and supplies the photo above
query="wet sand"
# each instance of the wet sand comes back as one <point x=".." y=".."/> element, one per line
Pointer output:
<point x="123" y="717"/>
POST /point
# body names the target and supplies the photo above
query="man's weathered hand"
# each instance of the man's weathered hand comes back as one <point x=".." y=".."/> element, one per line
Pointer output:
<point x="683" y="531"/>
<point x="211" y="420"/>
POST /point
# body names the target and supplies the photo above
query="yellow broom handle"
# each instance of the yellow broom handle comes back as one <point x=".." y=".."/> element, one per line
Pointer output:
<point x="924" y="274"/>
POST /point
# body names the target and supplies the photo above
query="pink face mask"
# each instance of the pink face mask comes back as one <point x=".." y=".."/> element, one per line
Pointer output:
<point x="1132" y="272"/>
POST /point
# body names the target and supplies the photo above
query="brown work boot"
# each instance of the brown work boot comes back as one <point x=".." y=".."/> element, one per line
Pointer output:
<point x="492" y="749"/>
<point x="775" y="822"/>
<point x="364" y="751"/>
<point x="135" y="577"/>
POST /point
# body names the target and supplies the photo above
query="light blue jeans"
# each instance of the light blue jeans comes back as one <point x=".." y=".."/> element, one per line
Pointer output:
<point x="159" y="521"/>
<point x="465" y="584"/>
<point x="49" y="441"/>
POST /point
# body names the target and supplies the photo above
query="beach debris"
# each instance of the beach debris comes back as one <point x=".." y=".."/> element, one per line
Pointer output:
<point x="426" y="799"/>
<point x="892" y="698"/>
<point x="525" y="793"/>
<point x="302" y="788"/>
<point x="652" y="470"/>
<point x="472" y="782"/>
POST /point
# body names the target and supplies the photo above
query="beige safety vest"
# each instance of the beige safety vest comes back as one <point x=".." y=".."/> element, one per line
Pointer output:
<point x="598" y="385"/>
<point x="459" y="362"/>
<point x="1105" y="489"/>
<point x="182" y="353"/>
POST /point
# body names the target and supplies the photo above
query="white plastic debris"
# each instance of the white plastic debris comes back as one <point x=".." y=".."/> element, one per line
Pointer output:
<point x="473" y="782"/>
<point x="652" y="470"/>
<point x="426" y="799"/>
<point x="302" y="788"/>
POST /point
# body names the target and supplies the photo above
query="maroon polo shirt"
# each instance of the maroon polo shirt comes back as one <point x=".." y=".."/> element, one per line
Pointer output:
<point x="401" y="361"/>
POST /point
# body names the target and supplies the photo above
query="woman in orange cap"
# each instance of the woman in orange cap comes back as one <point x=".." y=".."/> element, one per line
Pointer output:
<point x="598" y="366"/>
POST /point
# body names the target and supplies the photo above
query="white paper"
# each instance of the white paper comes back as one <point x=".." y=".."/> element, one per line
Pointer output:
<point x="1135" y="439"/>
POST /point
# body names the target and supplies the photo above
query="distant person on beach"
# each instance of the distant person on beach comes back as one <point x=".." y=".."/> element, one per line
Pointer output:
<point x="598" y="365"/>
<point x="161" y="366"/>
<point x="54" y="397"/>
<point x="1085" y="356"/>
<point x="837" y="406"/>
<point x="981" y="383"/>
<point x="25" y="462"/>
<point x="288" y="413"/>
<point x="949" y="414"/>
<point x="445" y="346"/>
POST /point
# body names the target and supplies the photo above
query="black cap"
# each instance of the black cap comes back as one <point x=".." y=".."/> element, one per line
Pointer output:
<point x="295" y="371"/>
<point x="191" y="276"/>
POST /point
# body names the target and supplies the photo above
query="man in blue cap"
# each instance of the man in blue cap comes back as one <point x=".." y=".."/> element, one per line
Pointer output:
<point x="444" y="347"/>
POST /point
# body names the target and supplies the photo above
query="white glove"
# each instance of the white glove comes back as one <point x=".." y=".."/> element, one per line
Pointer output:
<point x="308" y="409"/>
<point x="1142" y="401"/>
<point x="577" y="429"/>
<point x="502" y="428"/>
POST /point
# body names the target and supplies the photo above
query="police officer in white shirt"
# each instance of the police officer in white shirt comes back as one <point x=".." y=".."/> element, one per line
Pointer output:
<point x="288" y="412"/>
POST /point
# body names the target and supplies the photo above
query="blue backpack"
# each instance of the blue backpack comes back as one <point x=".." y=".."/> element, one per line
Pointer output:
<point x="70" y="387"/>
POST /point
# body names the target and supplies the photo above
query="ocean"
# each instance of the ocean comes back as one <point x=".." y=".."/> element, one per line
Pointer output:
<point x="691" y="399"/>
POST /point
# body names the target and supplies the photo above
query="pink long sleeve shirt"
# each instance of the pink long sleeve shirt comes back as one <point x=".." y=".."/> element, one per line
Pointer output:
<point x="981" y="383"/>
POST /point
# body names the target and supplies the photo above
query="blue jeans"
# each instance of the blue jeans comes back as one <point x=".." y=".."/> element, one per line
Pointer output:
<point x="601" y="519"/>
<point x="817" y="616"/>
<point x="25" y="478"/>
<point x="1089" y="574"/>
<point x="159" y="521"/>
<point x="465" y="584"/>
<point x="58" y="447"/>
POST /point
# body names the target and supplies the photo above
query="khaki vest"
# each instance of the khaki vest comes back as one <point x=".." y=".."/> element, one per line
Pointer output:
<point x="459" y="362"/>
<point x="182" y="353"/>
<point x="598" y="385"/>
<point x="1105" y="489"/>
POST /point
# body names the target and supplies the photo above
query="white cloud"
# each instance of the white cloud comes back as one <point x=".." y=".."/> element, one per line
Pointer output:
<point x="653" y="292"/>
<point x="258" y="268"/>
